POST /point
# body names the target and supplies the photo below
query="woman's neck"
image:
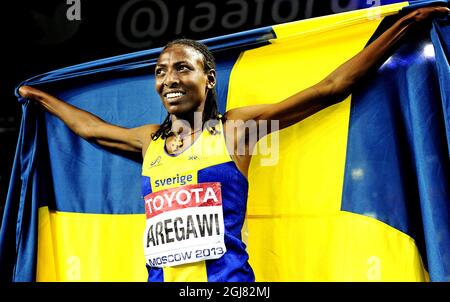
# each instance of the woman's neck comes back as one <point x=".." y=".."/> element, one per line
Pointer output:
<point x="188" y="123"/>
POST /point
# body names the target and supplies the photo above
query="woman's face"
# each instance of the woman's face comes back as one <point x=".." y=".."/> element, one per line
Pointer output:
<point x="181" y="81"/>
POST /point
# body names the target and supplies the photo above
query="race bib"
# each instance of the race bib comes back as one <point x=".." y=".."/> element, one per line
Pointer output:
<point x="184" y="225"/>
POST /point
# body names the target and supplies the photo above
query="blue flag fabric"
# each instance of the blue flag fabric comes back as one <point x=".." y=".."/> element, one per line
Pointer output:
<point x="397" y="167"/>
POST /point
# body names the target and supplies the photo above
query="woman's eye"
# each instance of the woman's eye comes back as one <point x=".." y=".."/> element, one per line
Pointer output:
<point x="159" y="72"/>
<point x="183" y="68"/>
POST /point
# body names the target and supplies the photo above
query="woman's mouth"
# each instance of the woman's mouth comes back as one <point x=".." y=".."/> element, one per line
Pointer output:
<point x="173" y="96"/>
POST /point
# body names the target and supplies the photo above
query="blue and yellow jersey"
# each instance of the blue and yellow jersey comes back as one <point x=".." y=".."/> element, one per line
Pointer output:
<point x="195" y="208"/>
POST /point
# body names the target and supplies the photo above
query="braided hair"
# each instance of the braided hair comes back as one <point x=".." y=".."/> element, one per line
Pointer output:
<point x="210" y="111"/>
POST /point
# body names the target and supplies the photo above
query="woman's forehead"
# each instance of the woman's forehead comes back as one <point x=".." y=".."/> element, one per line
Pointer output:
<point x="179" y="52"/>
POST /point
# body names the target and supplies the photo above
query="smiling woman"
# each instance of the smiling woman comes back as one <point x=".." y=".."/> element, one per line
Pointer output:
<point x="194" y="181"/>
<point x="186" y="73"/>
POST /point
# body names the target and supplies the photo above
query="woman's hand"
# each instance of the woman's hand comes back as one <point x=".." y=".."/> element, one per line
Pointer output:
<point x="427" y="13"/>
<point x="29" y="92"/>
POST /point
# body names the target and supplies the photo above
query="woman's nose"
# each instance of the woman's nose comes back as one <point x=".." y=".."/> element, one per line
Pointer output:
<point x="171" y="79"/>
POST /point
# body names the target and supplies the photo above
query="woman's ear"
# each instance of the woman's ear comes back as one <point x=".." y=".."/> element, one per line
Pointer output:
<point x="211" y="79"/>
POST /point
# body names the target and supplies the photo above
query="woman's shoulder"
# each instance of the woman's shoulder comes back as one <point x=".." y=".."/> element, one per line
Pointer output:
<point x="152" y="127"/>
<point x="146" y="133"/>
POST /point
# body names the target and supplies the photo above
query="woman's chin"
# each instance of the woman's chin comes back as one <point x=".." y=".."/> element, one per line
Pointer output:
<point x="177" y="111"/>
<point x="181" y="109"/>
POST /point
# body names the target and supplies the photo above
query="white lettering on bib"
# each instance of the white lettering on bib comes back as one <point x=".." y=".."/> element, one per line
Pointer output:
<point x="184" y="225"/>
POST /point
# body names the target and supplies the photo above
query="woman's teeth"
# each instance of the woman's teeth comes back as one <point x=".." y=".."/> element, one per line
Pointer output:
<point x="173" y="95"/>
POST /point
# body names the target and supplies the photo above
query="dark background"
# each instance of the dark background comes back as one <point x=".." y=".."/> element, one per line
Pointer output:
<point x="38" y="36"/>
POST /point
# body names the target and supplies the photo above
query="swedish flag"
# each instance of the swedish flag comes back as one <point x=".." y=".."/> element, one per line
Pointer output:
<point x="359" y="191"/>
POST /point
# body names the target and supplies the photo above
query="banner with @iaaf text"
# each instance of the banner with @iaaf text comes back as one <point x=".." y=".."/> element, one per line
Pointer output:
<point x="356" y="192"/>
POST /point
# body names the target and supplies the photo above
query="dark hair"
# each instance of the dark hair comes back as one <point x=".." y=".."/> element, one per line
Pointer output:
<point x="210" y="111"/>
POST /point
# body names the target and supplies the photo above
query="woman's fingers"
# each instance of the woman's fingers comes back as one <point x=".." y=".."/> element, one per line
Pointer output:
<point x="31" y="92"/>
<point x="25" y="91"/>
<point x="426" y="13"/>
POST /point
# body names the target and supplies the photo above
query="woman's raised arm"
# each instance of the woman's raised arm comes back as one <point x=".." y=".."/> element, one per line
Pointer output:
<point x="90" y="126"/>
<point x="339" y="84"/>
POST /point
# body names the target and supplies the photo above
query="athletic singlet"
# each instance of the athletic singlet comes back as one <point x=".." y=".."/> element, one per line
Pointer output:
<point x="195" y="208"/>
